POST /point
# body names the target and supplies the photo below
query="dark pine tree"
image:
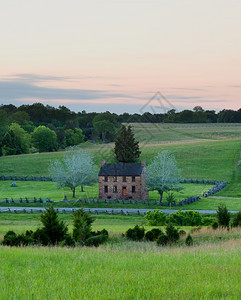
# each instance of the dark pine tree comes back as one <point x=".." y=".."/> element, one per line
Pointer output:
<point x="126" y="147"/>
<point x="54" y="229"/>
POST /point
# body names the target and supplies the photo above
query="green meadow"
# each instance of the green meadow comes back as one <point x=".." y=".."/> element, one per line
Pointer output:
<point x="121" y="269"/>
<point x="202" y="151"/>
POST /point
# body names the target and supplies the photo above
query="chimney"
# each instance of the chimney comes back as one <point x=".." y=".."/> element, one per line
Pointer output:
<point x="103" y="162"/>
<point x="143" y="162"/>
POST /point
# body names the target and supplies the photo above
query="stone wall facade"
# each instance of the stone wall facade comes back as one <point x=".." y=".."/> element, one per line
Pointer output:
<point x="122" y="187"/>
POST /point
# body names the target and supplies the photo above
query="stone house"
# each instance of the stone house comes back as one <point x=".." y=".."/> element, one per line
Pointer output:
<point x="122" y="181"/>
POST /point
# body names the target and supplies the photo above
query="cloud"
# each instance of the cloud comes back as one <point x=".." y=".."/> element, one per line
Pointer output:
<point x="187" y="89"/>
<point x="35" y="78"/>
<point x="235" y="86"/>
<point x="20" y="90"/>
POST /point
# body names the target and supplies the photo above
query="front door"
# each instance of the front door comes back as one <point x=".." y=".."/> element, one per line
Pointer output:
<point x="124" y="191"/>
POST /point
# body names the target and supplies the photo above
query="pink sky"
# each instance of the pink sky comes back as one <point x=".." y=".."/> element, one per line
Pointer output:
<point x="114" y="55"/>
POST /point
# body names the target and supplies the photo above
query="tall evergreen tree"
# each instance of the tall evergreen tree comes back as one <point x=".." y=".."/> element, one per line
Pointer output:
<point x="126" y="147"/>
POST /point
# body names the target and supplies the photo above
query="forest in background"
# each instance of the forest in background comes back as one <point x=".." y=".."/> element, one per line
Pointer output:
<point x="38" y="127"/>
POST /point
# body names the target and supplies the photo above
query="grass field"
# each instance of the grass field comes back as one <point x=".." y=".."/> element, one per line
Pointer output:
<point x="42" y="190"/>
<point x="122" y="269"/>
<point x="203" y="151"/>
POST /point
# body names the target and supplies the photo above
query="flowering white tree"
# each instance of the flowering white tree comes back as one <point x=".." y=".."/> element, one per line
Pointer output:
<point x="76" y="169"/>
<point x="163" y="174"/>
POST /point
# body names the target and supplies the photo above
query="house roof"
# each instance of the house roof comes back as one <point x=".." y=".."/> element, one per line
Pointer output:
<point x="121" y="169"/>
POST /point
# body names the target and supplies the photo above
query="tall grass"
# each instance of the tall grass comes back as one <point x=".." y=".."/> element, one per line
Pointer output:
<point x="211" y="272"/>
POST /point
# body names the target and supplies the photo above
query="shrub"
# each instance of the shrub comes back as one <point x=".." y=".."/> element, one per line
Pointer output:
<point x="189" y="240"/>
<point x="153" y="234"/>
<point x="170" y="198"/>
<point x="156" y="218"/>
<point x="68" y="242"/>
<point x="207" y="221"/>
<point x="82" y="222"/>
<point x="97" y="238"/>
<point x="185" y="218"/>
<point x="13" y="239"/>
<point x="172" y="234"/>
<point x="237" y="219"/>
<point x="215" y="225"/>
<point x="9" y="238"/>
<point x="223" y="215"/>
<point x="54" y="229"/>
<point x="182" y="232"/>
<point x="162" y="240"/>
<point x="136" y="233"/>
<point x="40" y="237"/>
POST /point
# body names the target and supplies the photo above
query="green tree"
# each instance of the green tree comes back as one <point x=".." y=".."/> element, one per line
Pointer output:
<point x="54" y="229"/>
<point x="21" y="117"/>
<point x="163" y="174"/>
<point x="237" y="219"/>
<point x="3" y="127"/>
<point x="9" y="144"/>
<point x="76" y="169"/>
<point x="223" y="215"/>
<point x="126" y="147"/>
<point x="23" y="138"/>
<point x="44" y="139"/>
<point x="104" y="127"/>
<point x="82" y="222"/>
<point x="172" y="234"/>
<point x="74" y="137"/>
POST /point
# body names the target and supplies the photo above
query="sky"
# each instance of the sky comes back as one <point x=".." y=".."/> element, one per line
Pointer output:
<point x="121" y="56"/>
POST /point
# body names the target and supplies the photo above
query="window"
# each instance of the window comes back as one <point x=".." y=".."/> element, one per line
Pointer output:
<point x="133" y="189"/>
<point x="106" y="188"/>
<point x="133" y="178"/>
<point x="114" y="189"/>
<point x="124" y="178"/>
<point x="106" y="179"/>
<point x="114" y="178"/>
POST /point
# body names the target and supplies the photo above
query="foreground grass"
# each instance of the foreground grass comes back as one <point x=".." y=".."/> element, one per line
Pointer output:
<point x="138" y="272"/>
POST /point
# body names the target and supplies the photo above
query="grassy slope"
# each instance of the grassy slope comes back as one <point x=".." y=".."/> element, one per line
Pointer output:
<point x="211" y="160"/>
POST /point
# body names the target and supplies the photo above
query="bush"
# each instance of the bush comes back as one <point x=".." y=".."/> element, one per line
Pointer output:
<point x="172" y="234"/>
<point x="82" y="222"/>
<point x="68" y="242"/>
<point x="189" y="240"/>
<point x="207" y="221"/>
<point x="53" y="229"/>
<point x="9" y="238"/>
<point x="153" y="234"/>
<point x="182" y="232"/>
<point x="223" y="215"/>
<point x="215" y="225"/>
<point x="136" y="233"/>
<point x="156" y="218"/>
<point x="97" y="238"/>
<point x="40" y="237"/>
<point x="185" y="218"/>
<point x="237" y="219"/>
<point x="162" y="240"/>
<point x="13" y="239"/>
<point x="170" y="198"/>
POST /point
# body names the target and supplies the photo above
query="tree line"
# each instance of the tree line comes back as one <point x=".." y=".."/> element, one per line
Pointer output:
<point x="47" y="128"/>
